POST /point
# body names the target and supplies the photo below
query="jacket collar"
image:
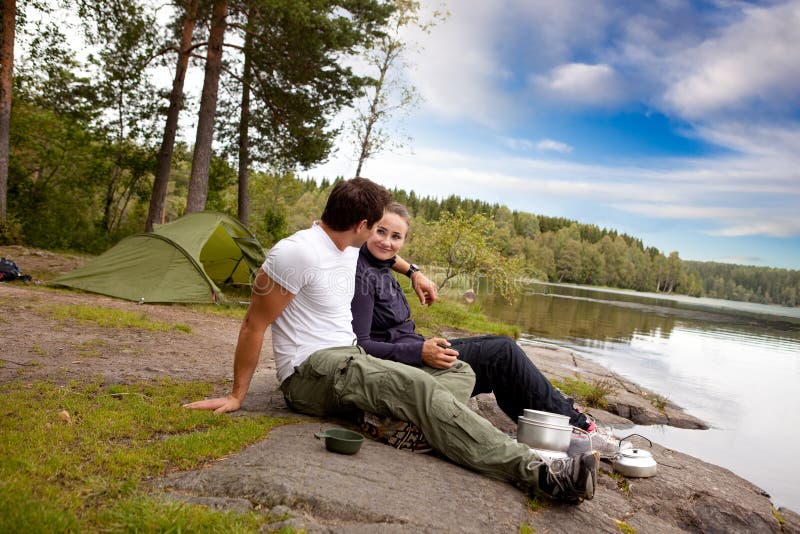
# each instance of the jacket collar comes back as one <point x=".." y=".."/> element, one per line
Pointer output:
<point x="375" y="262"/>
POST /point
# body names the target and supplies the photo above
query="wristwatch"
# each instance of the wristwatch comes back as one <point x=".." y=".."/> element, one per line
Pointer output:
<point x="411" y="270"/>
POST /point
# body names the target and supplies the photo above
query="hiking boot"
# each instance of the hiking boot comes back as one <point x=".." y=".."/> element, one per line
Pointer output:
<point x="402" y="435"/>
<point x="408" y="437"/>
<point x="570" y="479"/>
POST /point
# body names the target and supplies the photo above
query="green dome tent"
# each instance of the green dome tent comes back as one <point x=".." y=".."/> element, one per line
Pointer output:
<point x="181" y="261"/>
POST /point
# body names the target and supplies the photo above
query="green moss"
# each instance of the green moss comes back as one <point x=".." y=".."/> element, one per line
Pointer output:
<point x="526" y="529"/>
<point x="624" y="527"/>
<point x="778" y="516"/>
<point x="86" y="475"/>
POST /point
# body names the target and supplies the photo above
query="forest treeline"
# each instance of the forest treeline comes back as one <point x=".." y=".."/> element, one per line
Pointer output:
<point x="94" y="158"/>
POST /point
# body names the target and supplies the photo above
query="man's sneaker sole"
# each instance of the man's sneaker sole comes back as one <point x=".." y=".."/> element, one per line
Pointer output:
<point x="589" y="462"/>
<point x="562" y="482"/>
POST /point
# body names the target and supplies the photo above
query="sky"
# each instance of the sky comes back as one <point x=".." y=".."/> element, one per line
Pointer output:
<point x="674" y="121"/>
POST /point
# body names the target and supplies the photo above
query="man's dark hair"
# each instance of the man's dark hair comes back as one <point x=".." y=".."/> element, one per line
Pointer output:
<point x="354" y="200"/>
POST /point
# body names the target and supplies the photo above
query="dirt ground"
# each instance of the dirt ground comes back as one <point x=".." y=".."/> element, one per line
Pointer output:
<point x="36" y="345"/>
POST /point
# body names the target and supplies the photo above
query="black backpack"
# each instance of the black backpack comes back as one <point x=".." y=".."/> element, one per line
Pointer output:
<point x="9" y="271"/>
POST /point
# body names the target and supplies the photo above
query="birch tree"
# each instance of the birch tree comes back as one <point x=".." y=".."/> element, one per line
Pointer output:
<point x="388" y="93"/>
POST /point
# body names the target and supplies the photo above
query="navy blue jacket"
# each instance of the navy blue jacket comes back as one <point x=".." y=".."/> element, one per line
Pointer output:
<point x="381" y="316"/>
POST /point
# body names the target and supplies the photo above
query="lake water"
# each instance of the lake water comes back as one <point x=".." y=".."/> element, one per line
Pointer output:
<point x="734" y="365"/>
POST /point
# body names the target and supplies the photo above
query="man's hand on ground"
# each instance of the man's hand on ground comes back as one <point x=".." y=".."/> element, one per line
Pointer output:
<point x="219" y="405"/>
<point x="426" y="290"/>
<point x="436" y="354"/>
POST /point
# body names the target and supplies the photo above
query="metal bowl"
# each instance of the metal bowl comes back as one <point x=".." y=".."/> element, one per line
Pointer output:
<point x="546" y="417"/>
<point x="543" y="435"/>
<point x="341" y="440"/>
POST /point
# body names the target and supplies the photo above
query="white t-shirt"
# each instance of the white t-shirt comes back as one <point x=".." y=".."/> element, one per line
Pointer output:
<point x="322" y="278"/>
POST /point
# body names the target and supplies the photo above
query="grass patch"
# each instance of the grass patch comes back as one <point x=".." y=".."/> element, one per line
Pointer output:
<point x="228" y="310"/>
<point x="778" y="516"/>
<point x="37" y="349"/>
<point x="448" y="312"/>
<point x="658" y="401"/>
<point x="526" y="529"/>
<point x="591" y="394"/>
<point x="90" y="348"/>
<point x="537" y="503"/>
<point x="623" y="484"/>
<point x="624" y="527"/>
<point x="87" y="474"/>
<point x="111" y="318"/>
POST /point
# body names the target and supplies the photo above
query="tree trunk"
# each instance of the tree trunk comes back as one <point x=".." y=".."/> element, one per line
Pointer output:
<point x="6" y="76"/>
<point x="244" y="125"/>
<point x="201" y="160"/>
<point x="164" y="164"/>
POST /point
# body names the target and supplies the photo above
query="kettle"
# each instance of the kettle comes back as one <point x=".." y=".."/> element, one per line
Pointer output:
<point x="637" y="463"/>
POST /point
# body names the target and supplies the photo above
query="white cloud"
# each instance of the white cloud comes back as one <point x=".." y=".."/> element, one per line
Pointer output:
<point x="526" y="145"/>
<point x="457" y="75"/>
<point x="558" y="30"/>
<point x="773" y="140"/>
<point x="583" y="84"/>
<point x="729" y="221"/>
<point x="522" y="145"/>
<point x="554" y="146"/>
<point x="755" y="59"/>
<point x="742" y="260"/>
<point x="774" y="226"/>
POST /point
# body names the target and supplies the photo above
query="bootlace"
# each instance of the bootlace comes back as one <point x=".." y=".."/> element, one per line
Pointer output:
<point x="559" y="475"/>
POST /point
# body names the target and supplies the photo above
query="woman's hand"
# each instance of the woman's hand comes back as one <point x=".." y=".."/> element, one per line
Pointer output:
<point x="426" y="290"/>
<point x="437" y="354"/>
<point x="219" y="405"/>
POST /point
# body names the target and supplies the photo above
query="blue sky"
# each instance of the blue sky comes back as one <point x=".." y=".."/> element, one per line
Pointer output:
<point x="674" y="121"/>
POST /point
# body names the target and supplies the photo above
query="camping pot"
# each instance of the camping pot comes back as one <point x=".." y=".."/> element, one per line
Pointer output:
<point x="341" y="440"/>
<point x="635" y="463"/>
<point x="546" y="417"/>
<point x="543" y="435"/>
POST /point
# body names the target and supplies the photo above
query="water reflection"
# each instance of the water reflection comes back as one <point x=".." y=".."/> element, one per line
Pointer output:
<point x="559" y="317"/>
<point x="737" y="372"/>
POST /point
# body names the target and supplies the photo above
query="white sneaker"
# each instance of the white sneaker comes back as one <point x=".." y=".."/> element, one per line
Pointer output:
<point x="601" y="440"/>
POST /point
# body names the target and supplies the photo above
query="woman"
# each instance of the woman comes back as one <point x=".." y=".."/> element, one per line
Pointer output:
<point x="382" y="322"/>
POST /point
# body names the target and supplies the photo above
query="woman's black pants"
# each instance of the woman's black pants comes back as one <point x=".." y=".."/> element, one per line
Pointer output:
<point x="502" y="367"/>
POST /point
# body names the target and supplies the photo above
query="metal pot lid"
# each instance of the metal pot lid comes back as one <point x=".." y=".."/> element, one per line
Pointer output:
<point x="635" y="462"/>
<point x="635" y="453"/>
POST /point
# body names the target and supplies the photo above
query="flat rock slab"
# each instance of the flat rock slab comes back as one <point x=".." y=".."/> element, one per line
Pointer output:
<point x="379" y="487"/>
<point x="386" y="490"/>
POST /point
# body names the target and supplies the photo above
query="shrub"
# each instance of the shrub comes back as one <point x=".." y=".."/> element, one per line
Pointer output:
<point x="10" y="232"/>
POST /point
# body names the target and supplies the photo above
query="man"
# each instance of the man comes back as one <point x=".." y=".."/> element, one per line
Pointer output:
<point x="304" y="290"/>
